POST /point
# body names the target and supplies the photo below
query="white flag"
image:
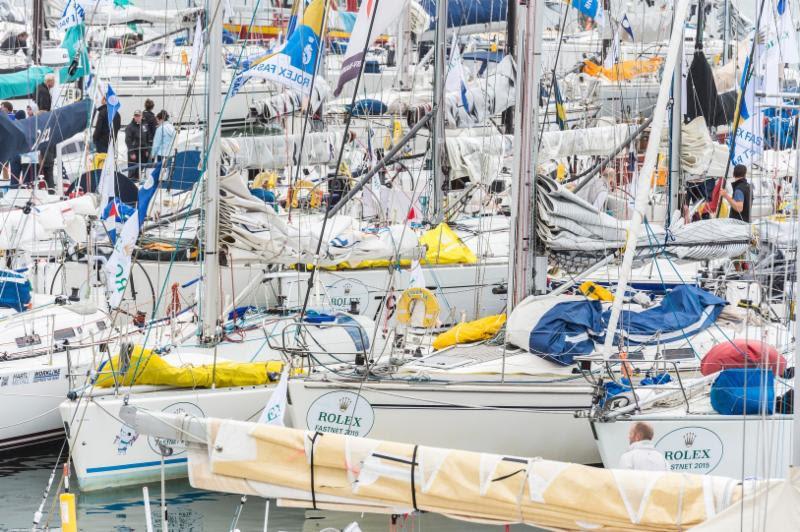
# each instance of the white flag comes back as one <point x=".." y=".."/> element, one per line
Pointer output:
<point x="105" y="186"/>
<point x="197" y="47"/>
<point x="72" y="15"/>
<point x="118" y="267"/>
<point x="416" y="277"/>
<point x="276" y="406"/>
<point x="384" y="13"/>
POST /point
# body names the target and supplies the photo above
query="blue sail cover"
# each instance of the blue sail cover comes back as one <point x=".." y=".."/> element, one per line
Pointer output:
<point x="466" y="12"/>
<point x="571" y="328"/>
<point x="42" y="131"/>
<point x="685" y="311"/>
<point x="566" y="330"/>
<point x="15" y="290"/>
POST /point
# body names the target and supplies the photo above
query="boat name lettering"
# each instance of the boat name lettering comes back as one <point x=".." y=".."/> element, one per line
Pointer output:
<point x="46" y="375"/>
<point x="19" y="378"/>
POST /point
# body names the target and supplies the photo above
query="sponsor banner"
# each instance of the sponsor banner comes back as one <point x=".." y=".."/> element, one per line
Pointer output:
<point x="692" y="450"/>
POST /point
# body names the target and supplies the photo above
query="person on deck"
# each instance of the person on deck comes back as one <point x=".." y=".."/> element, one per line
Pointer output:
<point x="165" y="135"/>
<point x="8" y="109"/>
<point x="42" y="96"/>
<point x="136" y="141"/>
<point x="742" y="199"/>
<point x="642" y="455"/>
<point x="149" y="119"/>
<point x="15" y="43"/>
<point x="102" y="136"/>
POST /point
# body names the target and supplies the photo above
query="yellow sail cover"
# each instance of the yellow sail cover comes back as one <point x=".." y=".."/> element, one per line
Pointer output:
<point x="360" y="474"/>
<point x="471" y="331"/>
<point x="146" y="367"/>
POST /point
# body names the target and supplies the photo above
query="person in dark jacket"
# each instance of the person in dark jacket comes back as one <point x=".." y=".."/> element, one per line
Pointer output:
<point x="742" y="199"/>
<point x="136" y="136"/>
<point x="102" y="135"/>
<point x="14" y="43"/>
<point x="43" y="99"/>
<point x="149" y="118"/>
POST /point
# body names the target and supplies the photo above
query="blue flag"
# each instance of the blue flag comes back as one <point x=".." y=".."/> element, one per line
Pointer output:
<point x="590" y="8"/>
<point x="113" y="106"/>
<point x="147" y="191"/>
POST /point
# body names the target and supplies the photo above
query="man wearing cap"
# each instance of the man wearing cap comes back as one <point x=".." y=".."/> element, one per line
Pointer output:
<point x="136" y="139"/>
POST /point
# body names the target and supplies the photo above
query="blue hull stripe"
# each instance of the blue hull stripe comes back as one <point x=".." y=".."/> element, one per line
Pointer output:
<point x="136" y="465"/>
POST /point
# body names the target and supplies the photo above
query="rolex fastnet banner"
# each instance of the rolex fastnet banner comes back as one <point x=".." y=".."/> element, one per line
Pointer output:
<point x="294" y="64"/>
<point x="385" y="12"/>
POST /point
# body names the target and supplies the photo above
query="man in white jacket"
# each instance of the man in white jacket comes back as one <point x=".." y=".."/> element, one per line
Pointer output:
<point x="642" y="454"/>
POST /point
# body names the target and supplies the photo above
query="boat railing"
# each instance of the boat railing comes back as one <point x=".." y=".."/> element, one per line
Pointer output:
<point x="298" y="340"/>
<point x="627" y="365"/>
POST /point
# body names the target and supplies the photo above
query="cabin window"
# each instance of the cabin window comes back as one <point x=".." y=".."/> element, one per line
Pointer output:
<point x="63" y="334"/>
<point x="29" y="340"/>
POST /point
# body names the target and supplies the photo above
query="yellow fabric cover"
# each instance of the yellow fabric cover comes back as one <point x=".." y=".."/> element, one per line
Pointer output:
<point x="471" y="331"/>
<point x="373" y="475"/>
<point x="623" y="70"/>
<point x="148" y="368"/>
<point x="595" y="291"/>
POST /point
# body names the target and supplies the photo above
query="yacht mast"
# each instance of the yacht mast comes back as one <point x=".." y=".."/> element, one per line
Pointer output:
<point x="439" y="152"/>
<point x="522" y="230"/>
<point x="676" y="114"/>
<point x="643" y="186"/>
<point x="211" y="290"/>
<point x="795" y="461"/>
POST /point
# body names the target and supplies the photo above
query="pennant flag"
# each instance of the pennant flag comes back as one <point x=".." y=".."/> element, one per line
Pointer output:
<point x="294" y="64"/>
<point x="275" y="410"/>
<point x="118" y="267"/>
<point x="749" y="139"/>
<point x="147" y="191"/>
<point x="72" y="16"/>
<point x="112" y="106"/>
<point x="105" y="186"/>
<point x="626" y="25"/>
<point x="384" y="13"/>
<point x="197" y="47"/>
<point x="561" y="113"/>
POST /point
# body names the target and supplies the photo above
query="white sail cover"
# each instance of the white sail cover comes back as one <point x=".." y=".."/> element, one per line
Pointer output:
<point x="771" y="506"/>
<point x="103" y="12"/>
<point x="568" y="223"/>
<point x="279" y="151"/>
<point x="700" y="155"/>
<point x="249" y="225"/>
<point x="591" y="141"/>
<point x="480" y="157"/>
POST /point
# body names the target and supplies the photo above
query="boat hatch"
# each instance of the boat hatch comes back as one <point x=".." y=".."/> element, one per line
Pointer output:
<point x="444" y="361"/>
<point x="680" y="353"/>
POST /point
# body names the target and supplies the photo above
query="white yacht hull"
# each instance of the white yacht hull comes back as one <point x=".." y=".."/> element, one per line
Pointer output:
<point x="463" y="291"/>
<point x="106" y="453"/>
<point x="730" y="446"/>
<point x="520" y="420"/>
